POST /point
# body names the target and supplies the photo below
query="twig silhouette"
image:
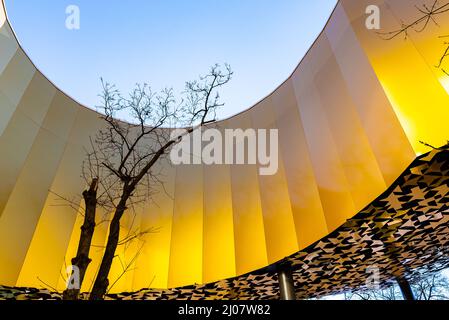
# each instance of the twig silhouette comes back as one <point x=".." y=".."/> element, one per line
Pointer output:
<point x="428" y="14"/>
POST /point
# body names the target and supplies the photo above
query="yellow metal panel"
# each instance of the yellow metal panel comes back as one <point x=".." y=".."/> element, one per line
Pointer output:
<point x="70" y="252"/>
<point x="33" y="104"/>
<point x="218" y="248"/>
<point x="12" y="82"/>
<point x="16" y="141"/>
<point x="7" y="111"/>
<point x="153" y="262"/>
<point x="123" y="266"/>
<point x="59" y="213"/>
<point x="329" y="172"/>
<point x="85" y="127"/>
<point x="279" y="225"/>
<point x="61" y="116"/>
<point x="8" y="46"/>
<point x="249" y="233"/>
<point x="15" y="78"/>
<point x="357" y="159"/>
<point x="36" y="100"/>
<point x="374" y="110"/>
<point x="18" y="135"/>
<point x="418" y="98"/>
<point x="54" y="227"/>
<point x="305" y="202"/>
<point x="21" y="215"/>
<point x="186" y="247"/>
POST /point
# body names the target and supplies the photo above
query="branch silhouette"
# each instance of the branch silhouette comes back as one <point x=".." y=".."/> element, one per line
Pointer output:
<point x="428" y="15"/>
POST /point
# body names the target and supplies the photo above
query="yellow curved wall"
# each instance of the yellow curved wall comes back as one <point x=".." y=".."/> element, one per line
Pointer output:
<point x="350" y="119"/>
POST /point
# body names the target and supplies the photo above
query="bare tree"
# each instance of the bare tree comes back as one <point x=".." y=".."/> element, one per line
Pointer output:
<point x="425" y="287"/>
<point x="389" y="293"/>
<point x="123" y="159"/>
<point x="97" y="195"/>
<point x="433" y="287"/>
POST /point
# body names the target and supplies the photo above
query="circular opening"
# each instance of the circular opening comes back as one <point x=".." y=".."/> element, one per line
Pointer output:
<point x="167" y="42"/>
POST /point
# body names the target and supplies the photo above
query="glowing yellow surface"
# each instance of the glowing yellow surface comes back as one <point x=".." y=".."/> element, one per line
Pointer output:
<point x="350" y="120"/>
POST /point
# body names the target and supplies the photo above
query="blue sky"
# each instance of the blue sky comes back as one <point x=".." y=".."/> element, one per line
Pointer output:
<point x="166" y="42"/>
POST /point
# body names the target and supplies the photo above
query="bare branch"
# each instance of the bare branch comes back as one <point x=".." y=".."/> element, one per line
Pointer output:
<point x="428" y="14"/>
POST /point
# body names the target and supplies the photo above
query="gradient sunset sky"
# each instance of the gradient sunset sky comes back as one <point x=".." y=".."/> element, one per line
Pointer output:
<point x="166" y="42"/>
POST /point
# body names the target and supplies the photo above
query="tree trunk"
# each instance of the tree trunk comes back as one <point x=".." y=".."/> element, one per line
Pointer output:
<point x="82" y="260"/>
<point x="102" y="282"/>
